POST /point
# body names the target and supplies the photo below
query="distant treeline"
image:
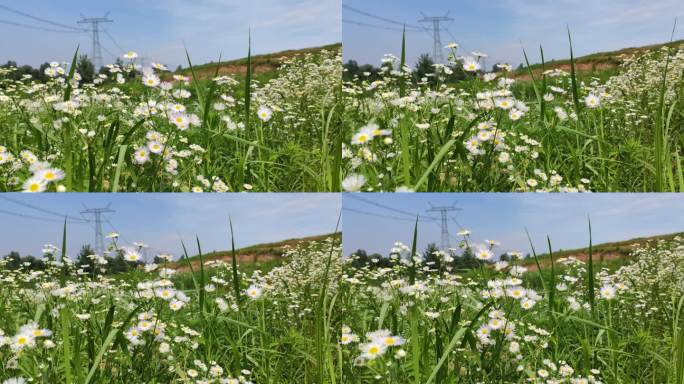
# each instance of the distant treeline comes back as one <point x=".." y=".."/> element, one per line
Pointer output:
<point x="432" y="257"/>
<point x="424" y="68"/>
<point x="85" y="262"/>
<point x="84" y="67"/>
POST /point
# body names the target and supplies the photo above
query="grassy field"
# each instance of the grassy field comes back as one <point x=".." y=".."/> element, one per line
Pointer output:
<point x="259" y="124"/>
<point x="420" y="321"/>
<point x="221" y="323"/>
<point x="315" y="317"/>
<point x="605" y="122"/>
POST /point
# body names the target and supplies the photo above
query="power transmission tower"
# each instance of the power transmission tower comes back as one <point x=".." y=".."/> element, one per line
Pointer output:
<point x="444" y="210"/>
<point x="437" y="47"/>
<point x="95" y="29"/>
<point x="99" y="238"/>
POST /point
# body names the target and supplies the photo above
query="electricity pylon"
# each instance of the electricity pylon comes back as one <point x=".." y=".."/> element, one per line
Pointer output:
<point x="437" y="47"/>
<point x="99" y="238"/>
<point x="95" y="29"/>
<point x="444" y="210"/>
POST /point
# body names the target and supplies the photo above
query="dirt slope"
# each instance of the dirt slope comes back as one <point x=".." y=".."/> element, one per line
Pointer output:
<point x="260" y="63"/>
<point x="601" y="252"/>
<point x="595" y="62"/>
<point x="254" y="253"/>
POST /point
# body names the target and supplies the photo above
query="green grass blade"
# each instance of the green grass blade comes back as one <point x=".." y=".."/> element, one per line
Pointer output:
<point x="65" y="320"/>
<point x="573" y="77"/>
<point x="201" y="278"/>
<point x="536" y="261"/>
<point x="591" y="289"/>
<point x="402" y="64"/>
<point x="412" y="271"/>
<point x="64" y="256"/>
<point x="192" y="270"/>
<point x="552" y="285"/>
<point x="248" y="82"/>
<point x="450" y="347"/>
<point x="438" y="158"/>
<point x="105" y="345"/>
<point x="70" y="76"/>
<point x="119" y="167"/>
<point x="233" y="257"/>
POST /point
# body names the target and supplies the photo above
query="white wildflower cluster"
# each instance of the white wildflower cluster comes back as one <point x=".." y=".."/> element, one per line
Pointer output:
<point x="161" y="138"/>
<point x="504" y="311"/>
<point x="495" y="141"/>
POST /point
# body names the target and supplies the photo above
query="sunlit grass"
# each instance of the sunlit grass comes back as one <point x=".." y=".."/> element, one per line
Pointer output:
<point x="146" y="129"/>
<point x="538" y="129"/>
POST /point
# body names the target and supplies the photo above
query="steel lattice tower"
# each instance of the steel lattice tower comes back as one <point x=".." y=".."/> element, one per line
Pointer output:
<point x="437" y="47"/>
<point x="95" y="29"/>
<point x="99" y="238"/>
<point x="444" y="211"/>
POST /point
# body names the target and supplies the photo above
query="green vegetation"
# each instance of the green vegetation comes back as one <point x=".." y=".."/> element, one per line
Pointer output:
<point x="154" y="324"/>
<point x="415" y="321"/>
<point x="549" y="127"/>
<point x="271" y="128"/>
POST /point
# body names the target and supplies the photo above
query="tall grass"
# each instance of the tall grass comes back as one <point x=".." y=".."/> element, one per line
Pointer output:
<point x="443" y="311"/>
<point x="89" y="319"/>
<point x="555" y="130"/>
<point x="92" y="132"/>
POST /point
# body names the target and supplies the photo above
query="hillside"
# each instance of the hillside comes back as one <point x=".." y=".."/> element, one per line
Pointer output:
<point x="601" y="252"/>
<point x="596" y="61"/>
<point x="254" y="253"/>
<point x="260" y="63"/>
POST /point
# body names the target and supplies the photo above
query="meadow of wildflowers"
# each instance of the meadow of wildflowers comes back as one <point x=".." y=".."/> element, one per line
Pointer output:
<point x="71" y="323"/>
<point x="420" y="320"/>
<point x="319" y="317"/>
<point x="526" y="130"/>
<point x="145" y="129"/>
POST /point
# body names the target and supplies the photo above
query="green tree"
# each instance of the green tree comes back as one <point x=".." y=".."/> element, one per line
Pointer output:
<point x="433" y="257"/>
<point x="425" y="68"/>
<point x="84" y="261"/>
<point x="86" y="69"/>
<point x="13" y="260"/>
<point x="467" y="260"/>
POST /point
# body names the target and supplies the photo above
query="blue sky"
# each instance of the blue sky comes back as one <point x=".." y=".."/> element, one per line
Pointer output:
<point x="504" y="217"/>
<point x="500" y="28"/>
<point x="162" y="220"/>
<point x="158" y="30"/>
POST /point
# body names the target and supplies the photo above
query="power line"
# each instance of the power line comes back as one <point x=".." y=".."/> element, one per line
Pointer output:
<point x="454" y="38"/>
<point x="47" y="211"/>
<point x="396" y="210"/>
<point x="106" y="32"/>
<point x="36" y="27"/>
<point x="420" y="219"/>
<point x="37" y="217"/>
<point x="116" y="230"/>
<point x="356" y="10"/>
<point x="109" y="52"/>
<point x="347" y="21"/>
<point x="41" y="19"/>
